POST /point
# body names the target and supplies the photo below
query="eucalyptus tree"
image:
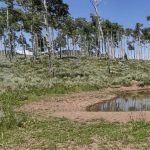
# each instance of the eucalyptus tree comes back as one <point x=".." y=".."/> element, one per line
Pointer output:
<point x="148" y="19"/>
<point x="60" y="43"/>
<point x="12" y="16"/>
<point x="117" y="39"/>
<point x="73" y="27"/>
<point x="83" y="36"/>
<point x="3" y="28"/>
<point x="95" y="34"/>
<point x="96" y="4"/>
<point x="91" y="39"/>
<point x="137" y="35"/>
<point x="22" y="40"/>
<point x="39" y="17"/>
<point x="130" y="42"/>
<point x="113" y="35"/>
<point x="145" y="40"/>
<point x="69" y="31"/>
<point x="31" y="22"/>
<point x="56" y="10"/>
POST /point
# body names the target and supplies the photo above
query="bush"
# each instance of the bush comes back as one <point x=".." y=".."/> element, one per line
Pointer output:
<point x="8" y="117"/>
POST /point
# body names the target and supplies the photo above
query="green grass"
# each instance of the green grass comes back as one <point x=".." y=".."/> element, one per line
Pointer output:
<point x="24" y="81"/>
<point x="54" y="131"/>
<point x="81" y="74"/>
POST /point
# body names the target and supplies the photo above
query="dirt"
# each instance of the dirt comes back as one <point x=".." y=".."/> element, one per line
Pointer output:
<point x="74" y="106"/>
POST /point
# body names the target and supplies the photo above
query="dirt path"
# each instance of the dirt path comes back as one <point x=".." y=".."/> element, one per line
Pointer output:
<point x="74" y="106"/>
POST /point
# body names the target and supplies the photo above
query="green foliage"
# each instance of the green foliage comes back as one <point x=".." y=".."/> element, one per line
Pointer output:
<point x="62" y="131"/>
<point x="9" y="118"/>
<point x="70" y="75"/>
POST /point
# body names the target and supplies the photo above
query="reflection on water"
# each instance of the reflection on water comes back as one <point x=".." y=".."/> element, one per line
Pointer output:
<point x="125" y="103"/>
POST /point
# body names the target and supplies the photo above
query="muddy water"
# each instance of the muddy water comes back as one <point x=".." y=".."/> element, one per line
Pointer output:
<point x="125" y="103"/>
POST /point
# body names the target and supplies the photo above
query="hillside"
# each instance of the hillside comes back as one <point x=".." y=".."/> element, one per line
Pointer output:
<point x="25" y="81"/>
<point x="71" y="74"/>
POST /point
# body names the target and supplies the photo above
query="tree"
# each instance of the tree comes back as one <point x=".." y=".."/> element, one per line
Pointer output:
<point x="137" y="36"/>
<point x="96" y="4"/>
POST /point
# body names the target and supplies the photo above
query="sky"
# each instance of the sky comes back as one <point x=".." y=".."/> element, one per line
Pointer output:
<point x="125" y="12"/>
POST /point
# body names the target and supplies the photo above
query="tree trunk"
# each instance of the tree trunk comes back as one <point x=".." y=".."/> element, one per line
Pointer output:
<point x="48" y="44"/>
<point x="5" y="46"/>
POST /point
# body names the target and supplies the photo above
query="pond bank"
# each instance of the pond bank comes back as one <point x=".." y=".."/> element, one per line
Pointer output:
<point x="75" y="106"/>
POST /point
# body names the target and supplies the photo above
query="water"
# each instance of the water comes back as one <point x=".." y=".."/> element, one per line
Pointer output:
<point x="125" y="103"/>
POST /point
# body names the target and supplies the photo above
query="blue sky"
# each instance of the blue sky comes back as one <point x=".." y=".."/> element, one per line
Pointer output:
<point x="125" y="12"/>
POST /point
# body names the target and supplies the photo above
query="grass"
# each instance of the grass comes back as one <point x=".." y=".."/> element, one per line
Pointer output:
<point x="53" y="131"/>
<point x="81" y="74"/>
<point x="23" y="81"/>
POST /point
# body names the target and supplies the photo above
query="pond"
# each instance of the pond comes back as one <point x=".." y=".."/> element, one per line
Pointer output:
<point x="125" y="103"/>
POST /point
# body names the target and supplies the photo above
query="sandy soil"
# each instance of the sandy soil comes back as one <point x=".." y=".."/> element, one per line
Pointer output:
<point x="74" y="106"/>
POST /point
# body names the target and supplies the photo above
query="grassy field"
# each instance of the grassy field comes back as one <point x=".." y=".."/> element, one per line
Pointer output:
<point x="74" y="74"/>
<point x="23" y="81"/>
<point x="57" y="133"/>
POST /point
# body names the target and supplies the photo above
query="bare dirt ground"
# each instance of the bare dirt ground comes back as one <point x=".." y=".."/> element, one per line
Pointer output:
<point x="74" y="106"/>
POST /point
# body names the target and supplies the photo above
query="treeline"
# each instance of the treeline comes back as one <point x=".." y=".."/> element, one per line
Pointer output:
<point x="45" y="26"/>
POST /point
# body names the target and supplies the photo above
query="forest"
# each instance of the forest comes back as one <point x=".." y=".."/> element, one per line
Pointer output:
<point x="37" y="27"/>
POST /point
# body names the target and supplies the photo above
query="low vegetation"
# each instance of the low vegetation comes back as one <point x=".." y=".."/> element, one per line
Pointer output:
<point x="71" y="74"/>
<point x="60" y="133"/>
<point x="30" y="81"/>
